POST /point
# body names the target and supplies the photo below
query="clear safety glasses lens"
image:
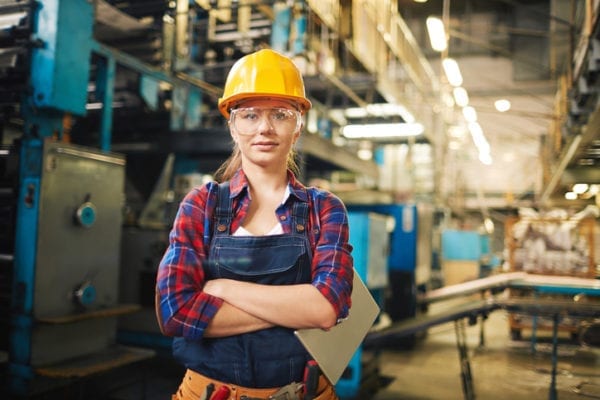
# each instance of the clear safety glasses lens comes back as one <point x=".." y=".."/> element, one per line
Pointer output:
<point x="248" y="120"/>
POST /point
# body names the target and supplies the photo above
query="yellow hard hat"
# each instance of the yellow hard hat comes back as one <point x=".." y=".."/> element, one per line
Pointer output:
<point x="263" y="74"/>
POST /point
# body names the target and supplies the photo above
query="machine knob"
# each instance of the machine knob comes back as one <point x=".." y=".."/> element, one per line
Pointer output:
<point x="85" y="294"/>
<point x="86" y="214"/>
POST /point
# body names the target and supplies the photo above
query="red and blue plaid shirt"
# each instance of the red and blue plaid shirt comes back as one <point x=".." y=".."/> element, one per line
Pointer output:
<point x="186" y="310"/>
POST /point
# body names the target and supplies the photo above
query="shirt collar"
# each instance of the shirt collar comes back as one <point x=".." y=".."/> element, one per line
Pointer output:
<point x="239" y="183"/>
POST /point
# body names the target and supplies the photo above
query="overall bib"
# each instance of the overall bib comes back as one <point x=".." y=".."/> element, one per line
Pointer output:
<point x="266" y="358"/>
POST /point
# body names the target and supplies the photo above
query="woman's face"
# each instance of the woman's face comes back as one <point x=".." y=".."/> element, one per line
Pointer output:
<point x="265" y="131"/>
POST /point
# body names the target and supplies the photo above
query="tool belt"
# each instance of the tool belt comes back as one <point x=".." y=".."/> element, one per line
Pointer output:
<point x="194" y="385"/>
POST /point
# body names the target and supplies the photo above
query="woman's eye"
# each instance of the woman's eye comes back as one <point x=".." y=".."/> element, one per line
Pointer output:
<point x="249" y="115"/>
<point x="280" y="115"/>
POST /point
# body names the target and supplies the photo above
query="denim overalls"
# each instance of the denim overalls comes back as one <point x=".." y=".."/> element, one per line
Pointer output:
<point x="266" y="358"/>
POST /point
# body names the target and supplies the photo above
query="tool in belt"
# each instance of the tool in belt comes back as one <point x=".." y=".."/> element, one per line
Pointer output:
<point x="288" y="392"/>
<point x="293" y="391"/>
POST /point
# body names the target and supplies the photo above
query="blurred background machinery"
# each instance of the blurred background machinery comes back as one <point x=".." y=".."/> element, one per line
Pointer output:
<point x="410" y="256"/>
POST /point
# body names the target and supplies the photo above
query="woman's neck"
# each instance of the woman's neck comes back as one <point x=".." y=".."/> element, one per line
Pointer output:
<point x="265" y="179"/>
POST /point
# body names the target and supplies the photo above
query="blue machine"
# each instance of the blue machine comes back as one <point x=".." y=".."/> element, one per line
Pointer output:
<point x="370" y="240"/>
<point x="409" y="258"/>
<point x="68" y="208"/>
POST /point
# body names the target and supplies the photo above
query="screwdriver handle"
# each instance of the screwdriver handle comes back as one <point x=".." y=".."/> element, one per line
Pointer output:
<point x="311" y="379"/>
<point x="221" y="394"/>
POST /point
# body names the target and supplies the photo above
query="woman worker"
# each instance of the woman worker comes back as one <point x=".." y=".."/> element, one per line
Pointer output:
<point x="256" y="255"/>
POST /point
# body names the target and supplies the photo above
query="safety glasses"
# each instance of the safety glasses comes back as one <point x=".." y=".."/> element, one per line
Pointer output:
<point x="248" y="120"/>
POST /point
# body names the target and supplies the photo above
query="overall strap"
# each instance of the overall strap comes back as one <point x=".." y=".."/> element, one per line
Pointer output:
<point x="223" y="211"/>
<point x="300" y="216"/>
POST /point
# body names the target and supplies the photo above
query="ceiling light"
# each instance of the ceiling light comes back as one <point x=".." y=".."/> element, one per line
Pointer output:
<point x="365" y="154"/>
<point x="356" y="112"/>
<point x="502" y="105"/>
<point x="470" y="114"/>
<point x="452" y="72"/>
<point x="381" y="110"/>
<point x="373" y="131"/>
<point x="461" y="97"/>
<point x="485" y="158"/>
<point x="437" y="34"/>
<point x="489" y="225"/>
<point x="580" y="188"/>
<point x="571" y="196"/>
<point x="365" y="150"/>
<point x="478" y="138"/>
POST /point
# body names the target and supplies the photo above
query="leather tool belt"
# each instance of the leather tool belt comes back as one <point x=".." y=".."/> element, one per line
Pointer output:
<point x="194" y="387"/>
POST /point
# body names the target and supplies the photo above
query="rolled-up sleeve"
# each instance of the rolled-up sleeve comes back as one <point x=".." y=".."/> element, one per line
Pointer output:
<point x="332" y="259"/>
<point x="183" y="308"/>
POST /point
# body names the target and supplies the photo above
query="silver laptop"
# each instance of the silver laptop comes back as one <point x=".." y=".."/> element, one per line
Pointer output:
<point x="333" y="349"/>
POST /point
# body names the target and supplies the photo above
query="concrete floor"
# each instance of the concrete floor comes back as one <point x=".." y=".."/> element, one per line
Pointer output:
<point x="500" y="369"/>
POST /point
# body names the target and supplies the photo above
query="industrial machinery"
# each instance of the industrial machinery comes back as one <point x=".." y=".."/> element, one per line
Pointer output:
<point x="62" y="206"/>
<point x="65" y="278"/>
<point x="409" y="259"/>
<point x="369" y="237"/>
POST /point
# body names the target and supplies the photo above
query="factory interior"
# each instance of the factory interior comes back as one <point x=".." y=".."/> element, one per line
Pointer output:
<point x="463" y="137"/>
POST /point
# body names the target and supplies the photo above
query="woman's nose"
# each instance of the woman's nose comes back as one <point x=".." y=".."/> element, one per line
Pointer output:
<point x="264" y="124"/>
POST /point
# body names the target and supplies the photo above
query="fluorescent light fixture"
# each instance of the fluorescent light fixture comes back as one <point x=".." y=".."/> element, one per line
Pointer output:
<point x="381" y="110"/>
<point x="356" y="112"/>
<point x="580" y="188"/>
<point x="502" y="105"/>
<point x="374" y="131"/>
<point x="461" y="97"/>
<point x="488" y="225"/>
<point x="452" y="71"/>
<point x="365" y="150"/>
<point x="485" y="158"/>
<point x="571" y="196"/>
<point x="437" y="34"/>
<point x="470" y="114"/>
<point x="365" y="154"/>
<point x="478" y="138"/>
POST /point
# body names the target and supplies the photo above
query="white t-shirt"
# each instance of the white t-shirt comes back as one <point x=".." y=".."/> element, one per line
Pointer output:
<point x="276" y="230"/>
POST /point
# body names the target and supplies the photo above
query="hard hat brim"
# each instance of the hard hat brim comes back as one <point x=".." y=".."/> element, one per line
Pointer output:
<point x="225" y="105"/>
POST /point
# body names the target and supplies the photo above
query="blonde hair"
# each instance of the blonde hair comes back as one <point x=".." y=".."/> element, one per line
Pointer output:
<point x="228" y="169"/>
